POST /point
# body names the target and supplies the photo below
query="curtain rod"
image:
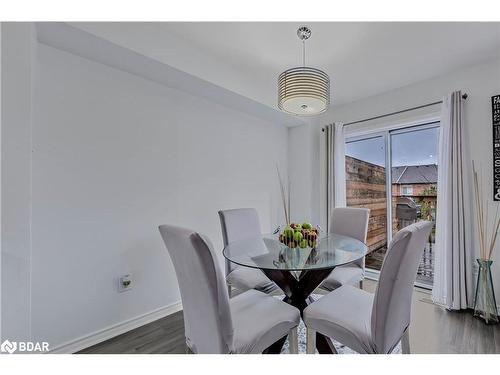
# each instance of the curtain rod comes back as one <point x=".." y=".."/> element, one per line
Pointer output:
<point x="464" y="96"/>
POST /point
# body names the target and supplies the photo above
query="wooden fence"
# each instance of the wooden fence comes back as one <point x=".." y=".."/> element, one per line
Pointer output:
<point x="365" y="187"/>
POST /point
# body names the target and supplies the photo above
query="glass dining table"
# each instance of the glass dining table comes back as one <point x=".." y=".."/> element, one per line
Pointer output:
<point x="296" y="271"/>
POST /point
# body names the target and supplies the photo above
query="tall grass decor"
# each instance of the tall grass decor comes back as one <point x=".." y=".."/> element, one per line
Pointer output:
<point x="485" y="305"/>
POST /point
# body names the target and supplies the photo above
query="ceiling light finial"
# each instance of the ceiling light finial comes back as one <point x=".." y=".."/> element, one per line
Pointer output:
<point x="304" y="32"/>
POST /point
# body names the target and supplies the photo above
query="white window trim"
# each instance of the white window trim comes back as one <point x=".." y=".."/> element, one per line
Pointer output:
<point x="395" y="128"/>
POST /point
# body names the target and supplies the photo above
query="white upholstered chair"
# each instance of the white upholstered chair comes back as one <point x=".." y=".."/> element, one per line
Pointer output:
<point x="248" y="323"/>
<point x="239" y="224"/>
<point x="352" y="222"/>
<point x="375" y="323"/>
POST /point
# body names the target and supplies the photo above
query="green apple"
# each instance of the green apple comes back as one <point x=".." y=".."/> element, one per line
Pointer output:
<point x="297" y="237"/>
<point x="307" y="225"/>
<point x="288" y="232"/>
<point x="303" y="244"/>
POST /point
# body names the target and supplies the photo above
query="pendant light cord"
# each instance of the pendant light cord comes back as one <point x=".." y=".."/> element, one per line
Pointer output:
<point x="303" y="53"/>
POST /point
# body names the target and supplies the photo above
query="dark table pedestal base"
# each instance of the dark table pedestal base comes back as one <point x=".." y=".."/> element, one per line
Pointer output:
<point x="297" y="293"/>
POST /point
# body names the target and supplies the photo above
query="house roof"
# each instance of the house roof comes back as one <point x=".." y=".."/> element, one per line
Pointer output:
<point x="415" y="174"/>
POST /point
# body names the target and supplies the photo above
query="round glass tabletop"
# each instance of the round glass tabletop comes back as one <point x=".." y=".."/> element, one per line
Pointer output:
<point x="267" y="252"/>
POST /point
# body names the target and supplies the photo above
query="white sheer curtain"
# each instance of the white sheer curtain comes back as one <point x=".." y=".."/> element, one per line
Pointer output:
<point x="335" y="168"/>
<point x="453" y="259"/>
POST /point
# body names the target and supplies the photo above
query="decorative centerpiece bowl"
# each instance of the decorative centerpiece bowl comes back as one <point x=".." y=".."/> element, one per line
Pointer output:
<point x="299" y="235"/>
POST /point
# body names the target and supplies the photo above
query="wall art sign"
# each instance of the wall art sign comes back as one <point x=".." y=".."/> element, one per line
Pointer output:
<point x="495" y="115"/>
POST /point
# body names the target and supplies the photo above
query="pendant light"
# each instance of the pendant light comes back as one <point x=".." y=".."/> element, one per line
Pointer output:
<point x="303" y="91"/>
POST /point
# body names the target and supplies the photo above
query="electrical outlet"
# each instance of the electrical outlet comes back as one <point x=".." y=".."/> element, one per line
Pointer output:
<point x="124" y="283"/>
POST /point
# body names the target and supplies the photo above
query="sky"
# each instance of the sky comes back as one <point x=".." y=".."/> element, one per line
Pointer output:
<point x="410" y="148"/>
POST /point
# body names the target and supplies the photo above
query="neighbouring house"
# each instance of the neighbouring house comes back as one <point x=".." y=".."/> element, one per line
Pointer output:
<point x="414" y="180"/>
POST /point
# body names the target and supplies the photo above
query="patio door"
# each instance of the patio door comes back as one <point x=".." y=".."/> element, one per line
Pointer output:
<point x="394" y="174"/>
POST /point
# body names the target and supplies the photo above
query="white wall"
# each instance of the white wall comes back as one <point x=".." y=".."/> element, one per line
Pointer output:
<point x="480" y="82"/>
<point x="114" y="156"/>
<point x="302" y="141"/>
<point x="17" y="54"/>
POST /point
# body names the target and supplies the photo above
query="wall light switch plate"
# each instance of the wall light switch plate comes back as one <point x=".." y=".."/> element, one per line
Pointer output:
<point x="124" y="283"/>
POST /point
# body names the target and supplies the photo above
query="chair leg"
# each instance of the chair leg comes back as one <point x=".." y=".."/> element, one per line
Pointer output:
<point x="311" y="341"/>
<point x="229" y="290"/>
<point x="361" y="284"/>
<point x="188" y="350"/>
<point x="405" y="342"/>
<point x="293" y="341"/>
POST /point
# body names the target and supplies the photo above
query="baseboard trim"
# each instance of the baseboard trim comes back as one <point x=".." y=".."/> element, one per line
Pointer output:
<point x="107" y="333"/>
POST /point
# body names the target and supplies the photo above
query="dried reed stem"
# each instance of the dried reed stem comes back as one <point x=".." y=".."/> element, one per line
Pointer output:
<point x="487" y="240"/>
<point x="283" y="197"/>
<point x="494" y="235"/>
<point x="289" y="206"/>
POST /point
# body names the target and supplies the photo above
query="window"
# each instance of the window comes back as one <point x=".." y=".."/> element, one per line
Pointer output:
<point x="407" y="190"/>
<point x="394" y="174"/>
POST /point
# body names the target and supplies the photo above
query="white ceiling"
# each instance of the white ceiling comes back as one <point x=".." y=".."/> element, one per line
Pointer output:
<point x="362" y="59"/>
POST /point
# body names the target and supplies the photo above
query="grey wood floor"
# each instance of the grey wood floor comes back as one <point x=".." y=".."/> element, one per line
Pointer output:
<point x="433" y="330"/>
<point x="163" y="336"/>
